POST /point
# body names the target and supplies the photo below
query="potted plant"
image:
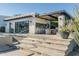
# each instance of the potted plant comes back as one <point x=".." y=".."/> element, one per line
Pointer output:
<point x="64" y="32"/>
<point x="72" y="28"/>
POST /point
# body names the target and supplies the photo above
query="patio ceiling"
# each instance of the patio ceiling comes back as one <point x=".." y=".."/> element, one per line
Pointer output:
<point x="54" y="15"/>
<point x="48" y="17"/>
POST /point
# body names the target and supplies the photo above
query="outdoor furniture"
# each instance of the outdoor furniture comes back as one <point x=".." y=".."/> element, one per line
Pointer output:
<point x="48" y="31"/>
<point x="54" y="31"/>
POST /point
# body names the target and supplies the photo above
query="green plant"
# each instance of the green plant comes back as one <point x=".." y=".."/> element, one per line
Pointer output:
<point x="64" y="29"/>
<point x="75" y="25"/>
<point x="54" y="23"/>
<point x="72" y="28"/>
<point x="64" y="32"/>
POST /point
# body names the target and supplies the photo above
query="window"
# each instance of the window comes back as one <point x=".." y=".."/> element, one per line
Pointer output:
<point x="22" y="27"/>
<point x="40" y="28"/>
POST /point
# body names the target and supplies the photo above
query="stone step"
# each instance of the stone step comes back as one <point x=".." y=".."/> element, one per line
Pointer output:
<point x="58" y="42"/>
<point x="29" y="42"/>
<point x="54" y="46"/>
<point x="36" y="54"/>
<point x="27" y="46"/>
<point x="29" y="52"/>
<point x="39" y="54"/>
<point x="26" y="52"/>
<point x="30" y="46"/>
<point x="53" y="41"/>
<point x="48" y="51"/>
<point x="51" y="46"/>
<point x="49" y="37"/>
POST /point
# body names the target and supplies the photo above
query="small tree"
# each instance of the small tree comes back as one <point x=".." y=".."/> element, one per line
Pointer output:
<point x="74" y="27"/>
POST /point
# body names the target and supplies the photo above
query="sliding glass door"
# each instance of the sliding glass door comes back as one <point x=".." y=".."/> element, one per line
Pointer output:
<point x="40" y="28"/>
<point x="22" y="27"/>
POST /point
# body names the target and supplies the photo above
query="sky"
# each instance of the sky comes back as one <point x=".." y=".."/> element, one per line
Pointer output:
<point x="10" y="9"/>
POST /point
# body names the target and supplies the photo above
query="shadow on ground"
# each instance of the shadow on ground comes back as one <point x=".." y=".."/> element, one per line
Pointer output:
<point x="9" y="50"/>
<point x="75" y="52"/>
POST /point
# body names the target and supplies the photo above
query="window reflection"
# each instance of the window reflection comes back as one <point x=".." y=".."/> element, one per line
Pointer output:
<point x="22" y="27"/>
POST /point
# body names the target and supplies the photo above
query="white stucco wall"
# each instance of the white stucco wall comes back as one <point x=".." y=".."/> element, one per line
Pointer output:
<point x="61" y="21"/>
<point x="43" y="21"/>
<point x="7" y="27"/>
<point x="32" y="23"/>
<point x="32" y="26"/>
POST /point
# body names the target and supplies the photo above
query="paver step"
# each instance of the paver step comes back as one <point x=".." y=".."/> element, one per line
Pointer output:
<point x="26" y="52"/>
<point x="53" y="41"/>
<point x="45" y="46"/>
<point x="52" y="46"/>
<point x="48" y="51"/>
<point x="38" y="54"/>
<point x="29" y="52"/>
<point x="49" y="37"/>
<point x="27" y="46"/>
<point x="29" y="41"/>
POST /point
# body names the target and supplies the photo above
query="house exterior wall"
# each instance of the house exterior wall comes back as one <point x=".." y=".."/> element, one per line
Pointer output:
<point x="41" y="30"/>
<point x="43" y="21"/>
<point x="30" y="20"/>
<point x="32" y="23"/>
<point x="32" y="26"/>
<point x="7" y="27"/>
<point x="61" y="22"/>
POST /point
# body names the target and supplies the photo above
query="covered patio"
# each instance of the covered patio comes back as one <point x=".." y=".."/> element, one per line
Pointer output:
<point x="57" y="20"/>
<point x="48" y="23"/>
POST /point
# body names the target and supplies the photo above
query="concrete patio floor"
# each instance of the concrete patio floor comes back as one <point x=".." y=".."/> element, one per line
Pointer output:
<point x="12" y="53"/>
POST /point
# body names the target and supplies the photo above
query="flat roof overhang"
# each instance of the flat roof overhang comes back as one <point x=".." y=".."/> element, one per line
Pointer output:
<point x="19" y="17"/>
<point x="9" y="19"/>
<point x="54" y="15"/>
<point x="48" y="16"/>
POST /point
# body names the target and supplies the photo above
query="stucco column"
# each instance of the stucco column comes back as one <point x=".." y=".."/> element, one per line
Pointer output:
<point x="49" y="24"/>
<point x="61" y="22"/>
<point x="32" y="27"/>
<point x="7" y="27"/>
<point x="13" y="26"/>
<point x="48" y="30"/>
<point x="32" y="24"/>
